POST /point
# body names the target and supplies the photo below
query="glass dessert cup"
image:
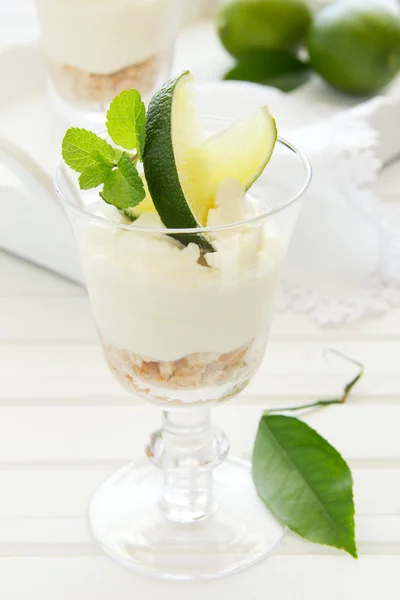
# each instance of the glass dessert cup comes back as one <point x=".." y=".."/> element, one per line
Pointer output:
<point x="95" y="50"/>
<point x="186" y="330"/>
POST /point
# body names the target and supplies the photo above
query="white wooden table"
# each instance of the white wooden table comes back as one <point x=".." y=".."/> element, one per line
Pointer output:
<point x="65" y="425"/>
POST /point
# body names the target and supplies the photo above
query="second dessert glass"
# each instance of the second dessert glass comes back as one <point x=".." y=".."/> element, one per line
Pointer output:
<point x="96" y="49"/>
<point x="187" y="331"/>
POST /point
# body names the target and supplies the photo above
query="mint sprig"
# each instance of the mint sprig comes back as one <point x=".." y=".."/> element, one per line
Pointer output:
<point x="100" y="163"/>
<point x="124" y="184"/>
<point x="126" y="121"/>
<point x="94" y="176"/>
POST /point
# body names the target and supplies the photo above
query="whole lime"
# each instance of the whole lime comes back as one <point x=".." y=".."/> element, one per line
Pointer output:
<point x="355" y="46"/>
<point x="245" y="25"/>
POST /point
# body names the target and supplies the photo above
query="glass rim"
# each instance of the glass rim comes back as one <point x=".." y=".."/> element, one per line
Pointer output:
<point x="190" y="230"/>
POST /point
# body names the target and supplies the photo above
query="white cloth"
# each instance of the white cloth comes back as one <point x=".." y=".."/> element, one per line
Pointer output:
<point x="343" y="262"/>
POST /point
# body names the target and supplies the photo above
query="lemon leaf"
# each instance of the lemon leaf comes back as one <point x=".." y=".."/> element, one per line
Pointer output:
<point x="304" y="482"/>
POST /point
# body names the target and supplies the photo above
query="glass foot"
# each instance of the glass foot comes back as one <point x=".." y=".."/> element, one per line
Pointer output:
<point x="128" y="523"/>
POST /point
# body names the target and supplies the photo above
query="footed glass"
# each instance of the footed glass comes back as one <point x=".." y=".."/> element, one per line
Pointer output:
<point x="186" y="330"/>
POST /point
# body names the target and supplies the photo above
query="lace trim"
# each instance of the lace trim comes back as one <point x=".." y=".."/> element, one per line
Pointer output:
<point x="342" y="151"/>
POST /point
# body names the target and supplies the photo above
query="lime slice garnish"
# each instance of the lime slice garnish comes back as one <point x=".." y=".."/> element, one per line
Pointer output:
<point x="243" y="150"/>
<point x="183" y="168"/>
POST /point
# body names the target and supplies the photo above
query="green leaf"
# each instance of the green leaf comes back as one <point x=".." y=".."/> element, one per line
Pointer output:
<point x="118" y="154"/>
<point x="99" y="157"/>
<point x="94" y="176"/>
<point x="275" y="68"/>
<point x="129" y="171"/>
<point x="124" y="187"/>
<point x="304" y="482"/>
<point x="82" y="149"/>
<point x="126" y="119"/>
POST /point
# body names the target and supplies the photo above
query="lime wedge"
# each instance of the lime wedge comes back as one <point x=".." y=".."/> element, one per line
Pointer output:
<point x="243" y="150"/>
<point x="177" y="171"/>
<point x="183" y="168"/>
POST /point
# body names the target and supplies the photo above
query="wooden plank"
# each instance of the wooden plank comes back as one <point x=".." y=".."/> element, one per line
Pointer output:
<point x="49" y="295"/>
<point x="46" y="319"/>
<point x="97" y="578"/>
<point x="43" y="319"/>
<point x="48" y="493"/>
<point x="103" y="389"/>
<point x="282" y="358"/>
<point x="289" y="369"/>
<point x="50" y="435"/>
<point x="61" y="492"/>
<point x="19" y="278"/>
<point x="291" y="326"/>
<point x="71" y="537"/>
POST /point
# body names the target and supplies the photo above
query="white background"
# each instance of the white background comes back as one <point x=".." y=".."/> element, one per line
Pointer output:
<point x="65" y="424"/>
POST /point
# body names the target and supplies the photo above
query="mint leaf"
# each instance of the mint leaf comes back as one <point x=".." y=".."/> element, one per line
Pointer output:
<point x="118" y="154"/>
<point x="94" y="176"/>
<point x="99" y="157"/>
<point x="82" y="149"/>
<point x="130" y="172"/>
<point x="126" y="119"/>
<point x="124" y="187"/>
<point x="304" y="482"/>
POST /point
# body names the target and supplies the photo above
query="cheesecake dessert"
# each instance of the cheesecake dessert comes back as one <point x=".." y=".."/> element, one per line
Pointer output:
<point x="174" y="320"/>
<point x="97" y="48"/>
<point x="182" y="282"/>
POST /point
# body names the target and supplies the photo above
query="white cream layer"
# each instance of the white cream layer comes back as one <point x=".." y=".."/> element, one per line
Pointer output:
<point x="104" y="36"/>
<point x="150" y="295"/>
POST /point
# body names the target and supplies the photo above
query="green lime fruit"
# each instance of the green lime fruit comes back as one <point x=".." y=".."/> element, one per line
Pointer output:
<point x="183" y="168"/>
<point x="355" y="46"/>
<point x="246" y="25"/>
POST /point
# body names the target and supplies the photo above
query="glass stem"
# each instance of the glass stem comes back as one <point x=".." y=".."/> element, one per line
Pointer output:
<point x="187" y="448"/>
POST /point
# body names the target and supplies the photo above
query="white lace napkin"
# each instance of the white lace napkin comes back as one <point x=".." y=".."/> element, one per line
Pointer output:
<point x="344" y="260"/>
